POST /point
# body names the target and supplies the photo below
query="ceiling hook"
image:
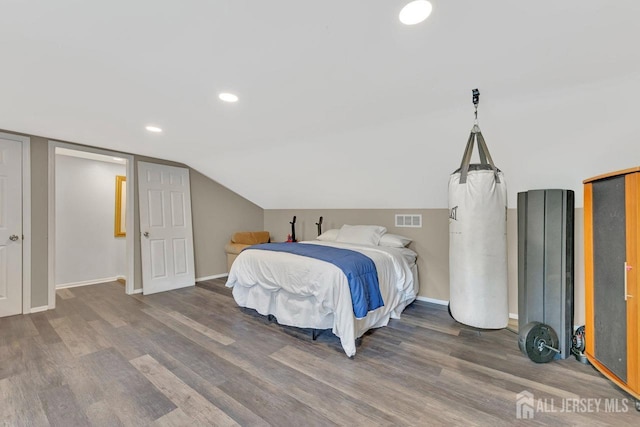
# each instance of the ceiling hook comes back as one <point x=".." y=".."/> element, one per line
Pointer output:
<point x="476" y="100"/>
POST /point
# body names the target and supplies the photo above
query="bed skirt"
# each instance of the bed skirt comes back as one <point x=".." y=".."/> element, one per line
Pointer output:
<point x="306" y="312"/>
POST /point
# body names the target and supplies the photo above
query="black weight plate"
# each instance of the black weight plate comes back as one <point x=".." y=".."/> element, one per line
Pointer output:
<point x="532" y="339"/>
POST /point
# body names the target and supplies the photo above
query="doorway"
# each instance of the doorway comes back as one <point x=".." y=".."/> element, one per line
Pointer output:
<point x="88" y="242"/>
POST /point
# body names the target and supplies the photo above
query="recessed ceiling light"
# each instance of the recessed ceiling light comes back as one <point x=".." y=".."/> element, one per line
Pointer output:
<point x="415" y="12"/>
<point x="153" y="129"/>
<point x="228" y="97"/>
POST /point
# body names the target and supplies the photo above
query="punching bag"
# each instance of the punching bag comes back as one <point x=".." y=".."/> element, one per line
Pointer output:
<point x="478" y="240"/>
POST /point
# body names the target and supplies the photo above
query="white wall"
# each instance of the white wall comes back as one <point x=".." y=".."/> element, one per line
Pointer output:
<point x="86" y="249"/>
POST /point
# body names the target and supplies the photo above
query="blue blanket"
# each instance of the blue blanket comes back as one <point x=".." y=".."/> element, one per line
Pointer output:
<point x="360" y="271"/>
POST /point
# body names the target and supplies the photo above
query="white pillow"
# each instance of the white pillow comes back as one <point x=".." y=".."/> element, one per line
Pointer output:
<point x="394" y="241"/>
<point x="329" y="235"/>
<point x="361" y="234"/>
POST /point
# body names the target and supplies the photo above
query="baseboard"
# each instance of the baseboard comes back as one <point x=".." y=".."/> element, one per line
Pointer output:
<point x="136" y="291"/>
<point x="87" y="282"/>
<point x="443" y="302"/>
<point x="433" y="300"/>
<point x="215" y="276"/>
<point x="39" y="309"/>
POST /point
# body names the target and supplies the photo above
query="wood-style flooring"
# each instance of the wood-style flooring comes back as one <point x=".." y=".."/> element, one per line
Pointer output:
<point x="193" y="357"/>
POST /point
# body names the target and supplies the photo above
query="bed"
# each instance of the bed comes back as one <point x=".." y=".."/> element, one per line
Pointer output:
<point x="309" y="293"/>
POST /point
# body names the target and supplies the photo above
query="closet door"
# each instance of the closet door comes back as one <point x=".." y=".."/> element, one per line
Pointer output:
<point x="609" y="256"/>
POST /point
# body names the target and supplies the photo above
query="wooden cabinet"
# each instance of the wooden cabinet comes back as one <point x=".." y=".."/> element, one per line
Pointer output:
<point x="612" y="264"/>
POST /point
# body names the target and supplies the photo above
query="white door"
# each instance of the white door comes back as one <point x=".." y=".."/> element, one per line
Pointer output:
<point x="165" y="228"/>
<point x="10" y="227"/>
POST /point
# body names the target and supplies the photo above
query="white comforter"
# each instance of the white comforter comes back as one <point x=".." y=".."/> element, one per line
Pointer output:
<point x="309" y="293"/>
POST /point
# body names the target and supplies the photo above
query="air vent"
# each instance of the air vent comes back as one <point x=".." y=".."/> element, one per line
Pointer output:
<point x="405" y="220"/>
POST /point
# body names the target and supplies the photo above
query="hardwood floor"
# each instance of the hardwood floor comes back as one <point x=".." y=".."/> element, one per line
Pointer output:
<point x="193" y="357"/>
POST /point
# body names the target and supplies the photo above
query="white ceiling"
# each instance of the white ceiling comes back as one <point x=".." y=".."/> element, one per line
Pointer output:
<point x="340" y="105"/>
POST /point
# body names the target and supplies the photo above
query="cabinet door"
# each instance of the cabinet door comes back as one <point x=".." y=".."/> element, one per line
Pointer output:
<point x="609" y="256"/>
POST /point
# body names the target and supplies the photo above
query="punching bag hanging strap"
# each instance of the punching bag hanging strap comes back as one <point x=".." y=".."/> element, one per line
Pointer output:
<point x="482" y="146"/>
<point x="466" y="159"/>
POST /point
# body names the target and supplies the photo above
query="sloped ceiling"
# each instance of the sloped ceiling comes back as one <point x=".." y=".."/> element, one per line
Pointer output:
<point x="341" y="106"/>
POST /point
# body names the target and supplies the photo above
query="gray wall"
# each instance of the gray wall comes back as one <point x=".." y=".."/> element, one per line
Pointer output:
<point x="431" y="242"/>
<point x="217" y="214"/>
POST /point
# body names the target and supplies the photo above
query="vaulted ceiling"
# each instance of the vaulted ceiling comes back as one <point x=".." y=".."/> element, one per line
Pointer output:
<point x="340" y="104"/>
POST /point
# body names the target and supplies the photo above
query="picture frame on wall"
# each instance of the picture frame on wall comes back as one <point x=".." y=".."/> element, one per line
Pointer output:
<point x="121" y="206"/>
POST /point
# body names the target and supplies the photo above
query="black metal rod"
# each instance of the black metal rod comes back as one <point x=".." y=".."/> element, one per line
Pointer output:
<point x="319" y="224"/>
<point x="293" y="229"/>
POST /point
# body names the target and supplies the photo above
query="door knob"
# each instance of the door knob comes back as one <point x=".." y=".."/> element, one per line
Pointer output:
<point x="13" y="237"/>
<point x="146" y="234"/>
